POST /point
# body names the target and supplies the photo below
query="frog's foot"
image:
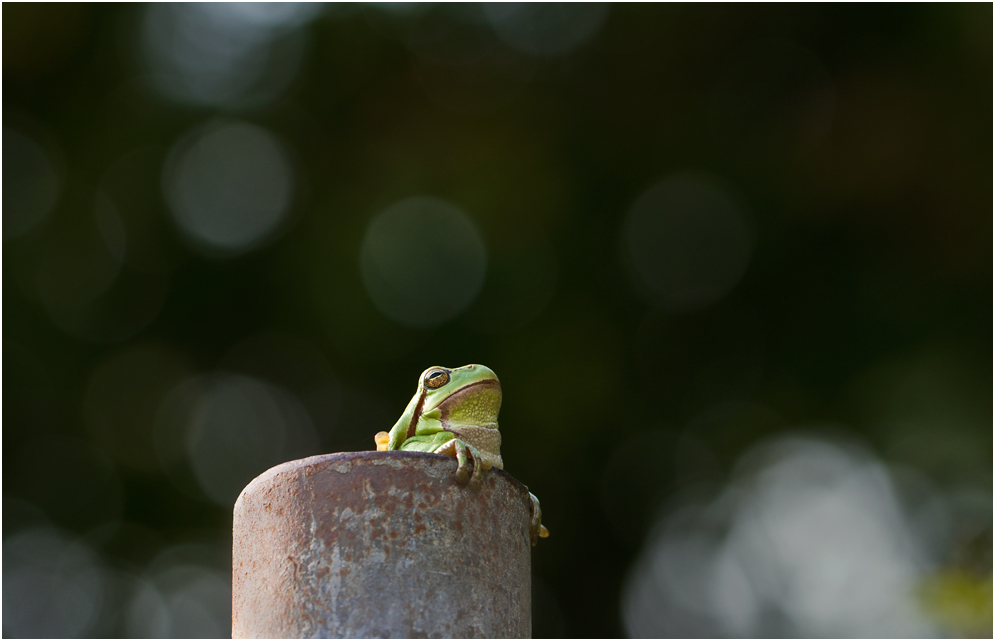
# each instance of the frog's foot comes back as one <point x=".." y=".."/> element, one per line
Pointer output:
<point x="536" y="529"/>
<point x="464" y="452"/>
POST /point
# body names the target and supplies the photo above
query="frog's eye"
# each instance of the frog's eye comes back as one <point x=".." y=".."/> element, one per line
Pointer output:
<point x="436" y="378"/>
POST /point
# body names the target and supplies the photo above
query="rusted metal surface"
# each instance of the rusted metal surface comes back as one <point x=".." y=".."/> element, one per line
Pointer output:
<point x="380" y="545"/>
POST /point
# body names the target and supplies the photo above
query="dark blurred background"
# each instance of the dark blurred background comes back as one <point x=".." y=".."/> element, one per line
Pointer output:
<point x="731" y="264"/>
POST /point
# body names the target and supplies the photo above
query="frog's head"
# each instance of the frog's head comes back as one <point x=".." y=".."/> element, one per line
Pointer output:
<point x="468" y="394"/>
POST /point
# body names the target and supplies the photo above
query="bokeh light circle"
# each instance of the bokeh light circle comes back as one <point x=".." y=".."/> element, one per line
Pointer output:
<point x="686" y="242"/>
<point x="53" y="586"/>
<point x="229" y="185"/>
<point x="546" y="29"/>
<point x="235" y="54"/>
<point x="230" y="428"/>
<point x="423" y="261"/>
<point x="184" y="593"/>
<point x="147" y="615"/>
<point x="810" y="539"/>
<point x="189" y="601"/>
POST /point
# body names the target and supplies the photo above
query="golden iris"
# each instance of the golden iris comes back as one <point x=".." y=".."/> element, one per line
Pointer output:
<point x="436" y="378"/>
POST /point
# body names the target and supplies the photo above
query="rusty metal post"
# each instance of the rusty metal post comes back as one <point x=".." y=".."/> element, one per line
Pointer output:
<point x="379" y="545"/>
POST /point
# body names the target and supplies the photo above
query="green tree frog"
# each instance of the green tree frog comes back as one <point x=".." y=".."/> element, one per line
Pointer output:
<point x="454" y="412"/>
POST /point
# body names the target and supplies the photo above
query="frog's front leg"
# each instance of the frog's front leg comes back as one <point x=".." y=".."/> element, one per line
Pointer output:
<point x="442" y="442"/>
<point x="536" y="528"/>
<point x="464" y="452"/>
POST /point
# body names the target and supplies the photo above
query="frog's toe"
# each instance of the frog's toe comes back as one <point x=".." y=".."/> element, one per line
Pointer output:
<point x="462" y="475"/>
<point x="382" y="439"/>
<point x="462" y="469"/>
<point x="477" y="479"/>
<point x="536" y="528"/>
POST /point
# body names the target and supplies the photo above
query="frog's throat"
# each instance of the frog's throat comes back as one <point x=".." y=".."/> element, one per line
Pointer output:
<point x="456" y="398"/>
<point x="448" y="402"/>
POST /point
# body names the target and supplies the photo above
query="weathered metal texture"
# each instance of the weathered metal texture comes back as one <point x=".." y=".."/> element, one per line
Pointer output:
<point x="380" y="545"/>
